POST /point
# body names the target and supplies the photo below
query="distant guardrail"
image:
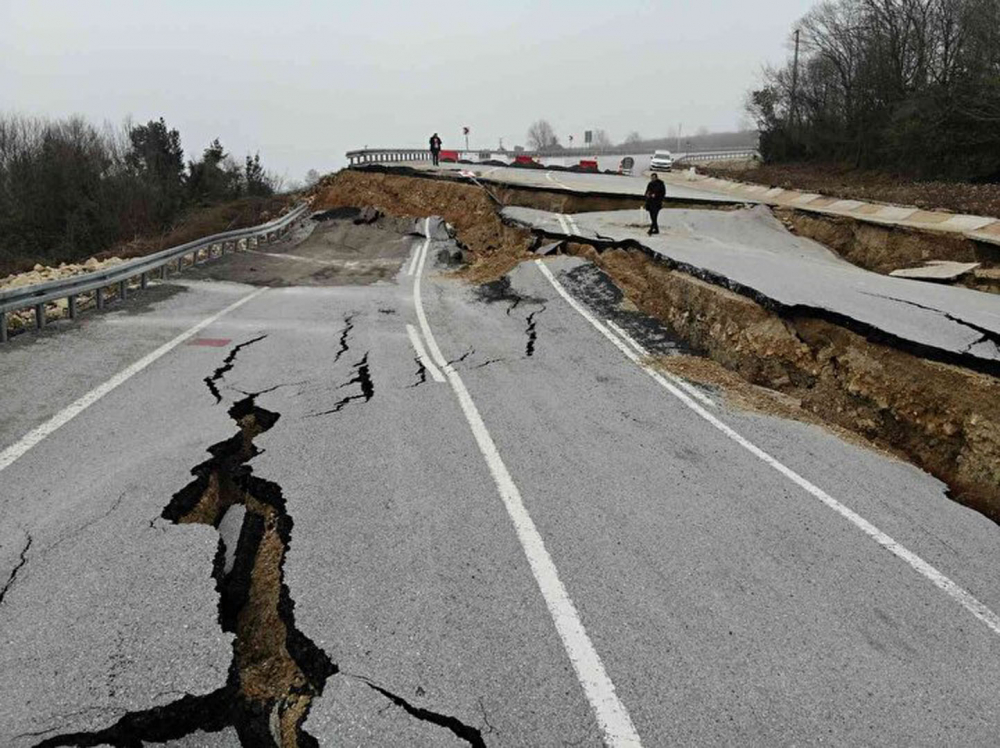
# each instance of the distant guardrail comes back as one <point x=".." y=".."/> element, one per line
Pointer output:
<point x="39" y="294"/>
<point x="719" y="155"/>
<point x="386" y="155"/>
<point x="400" y="155"/>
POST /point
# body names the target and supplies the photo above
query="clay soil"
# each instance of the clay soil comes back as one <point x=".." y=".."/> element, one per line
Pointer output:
<point x="495" y="248"/>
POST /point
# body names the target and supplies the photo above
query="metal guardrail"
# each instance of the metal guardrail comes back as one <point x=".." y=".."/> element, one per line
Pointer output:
<point x="39" y="294"/>
<point x="399" y="155"/>
<point x="719" y="155"/>
<point x="386" y="155"/>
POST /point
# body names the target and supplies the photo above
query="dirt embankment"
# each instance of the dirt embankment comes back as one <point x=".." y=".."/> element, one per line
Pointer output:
<point x="943" y="418"/>
<point x="496" y="248"/>
<point x="883" y="249"/>
<point x="844" y="181"/>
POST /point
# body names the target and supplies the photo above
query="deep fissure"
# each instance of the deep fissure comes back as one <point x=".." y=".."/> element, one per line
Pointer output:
<point x="276" y="670"/>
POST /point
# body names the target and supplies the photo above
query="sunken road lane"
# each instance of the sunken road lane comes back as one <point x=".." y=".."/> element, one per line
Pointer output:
<point x="475" y="518"/>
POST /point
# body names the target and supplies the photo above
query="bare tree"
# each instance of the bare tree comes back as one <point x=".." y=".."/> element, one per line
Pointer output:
<point x="312" y="176"/>
<point x="542" y="136"/>
<point x="632" y="138"/>
<point x="901" y="84"/>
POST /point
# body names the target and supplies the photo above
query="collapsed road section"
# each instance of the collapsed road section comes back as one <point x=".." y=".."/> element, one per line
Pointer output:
<point x="750" y="252"/>
<point x="909" y="366"/>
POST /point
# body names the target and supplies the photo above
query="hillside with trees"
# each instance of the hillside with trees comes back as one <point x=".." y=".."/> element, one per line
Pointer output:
<point x="910" y="86"/>
<point x="69" y="189"/>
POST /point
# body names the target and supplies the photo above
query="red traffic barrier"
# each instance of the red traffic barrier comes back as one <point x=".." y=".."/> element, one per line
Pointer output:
<point x="449" y="156"/>
<point x="523" y="160"/>
<point x="588" y="164"/>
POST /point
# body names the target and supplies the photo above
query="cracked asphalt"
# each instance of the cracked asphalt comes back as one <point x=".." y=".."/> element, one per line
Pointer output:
<point x="750" y="250"/>
<point x="726" y="604"/>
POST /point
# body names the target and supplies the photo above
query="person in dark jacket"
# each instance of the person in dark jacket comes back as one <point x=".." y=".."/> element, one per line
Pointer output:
<point x="656" y="190"/>
<point x="435" y="148"/>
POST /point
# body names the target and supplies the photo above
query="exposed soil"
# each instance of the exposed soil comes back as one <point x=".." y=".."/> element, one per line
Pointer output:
<point x="883" y="249"/>
<point x="495" y="248"/>
<point x="943" y="418"/>
<point x="741" y="394"/>
<point x="844" y="181"/>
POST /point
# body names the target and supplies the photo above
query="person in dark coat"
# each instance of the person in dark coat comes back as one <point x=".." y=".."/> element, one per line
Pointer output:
<point x="656" y="190"/>
<point x="435" y="148"/>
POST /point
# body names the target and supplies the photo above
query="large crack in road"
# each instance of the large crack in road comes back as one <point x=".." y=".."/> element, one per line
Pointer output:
<point x="276" y="670"/>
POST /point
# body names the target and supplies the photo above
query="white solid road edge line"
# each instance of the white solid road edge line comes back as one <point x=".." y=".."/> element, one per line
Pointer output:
<point x="690" y="389"/>
<point x="418" y="346"/>
<point x="600" y="691"/>
<point x="33" y="437"/>
<point x="939" y="580"/>
<point x="627" y="338"/>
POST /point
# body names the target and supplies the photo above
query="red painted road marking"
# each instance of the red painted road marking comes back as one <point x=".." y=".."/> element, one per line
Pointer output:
<point x="211" y="342"/>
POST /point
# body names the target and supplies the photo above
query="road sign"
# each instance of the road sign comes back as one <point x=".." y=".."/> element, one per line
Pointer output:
<point x="588" y="136"/>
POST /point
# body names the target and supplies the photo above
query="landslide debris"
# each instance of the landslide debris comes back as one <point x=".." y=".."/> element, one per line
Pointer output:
<point x="944" y="418"/>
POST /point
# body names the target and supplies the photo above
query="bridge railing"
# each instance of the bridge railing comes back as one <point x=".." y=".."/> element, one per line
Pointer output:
<point x="200" y="250"/>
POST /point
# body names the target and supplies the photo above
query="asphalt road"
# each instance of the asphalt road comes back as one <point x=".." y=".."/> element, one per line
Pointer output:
<point x="582" y="182"/>
<point x="518" y="528"/>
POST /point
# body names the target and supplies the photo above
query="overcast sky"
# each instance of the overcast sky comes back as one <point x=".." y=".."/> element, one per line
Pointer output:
<point x="302" y="82"/>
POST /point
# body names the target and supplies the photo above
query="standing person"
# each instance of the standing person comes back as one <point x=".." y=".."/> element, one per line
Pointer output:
<point x="656" y="190"/>
<point x="435" y="148"/>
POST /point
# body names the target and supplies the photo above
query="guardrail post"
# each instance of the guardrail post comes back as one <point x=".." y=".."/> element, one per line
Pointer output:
<point x="99" y="298"/>
<point x="3" y="327"/>
<point x="72" y="306"/>
<point x="163" y="271"/>
<point x="122" y="290"/>
<point x="39" y="316"/>
<point x="143" y="281"/>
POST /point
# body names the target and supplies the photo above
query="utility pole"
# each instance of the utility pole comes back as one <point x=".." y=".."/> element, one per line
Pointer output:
<point x="679" y="128"/>
<point x="795" y="82"/>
